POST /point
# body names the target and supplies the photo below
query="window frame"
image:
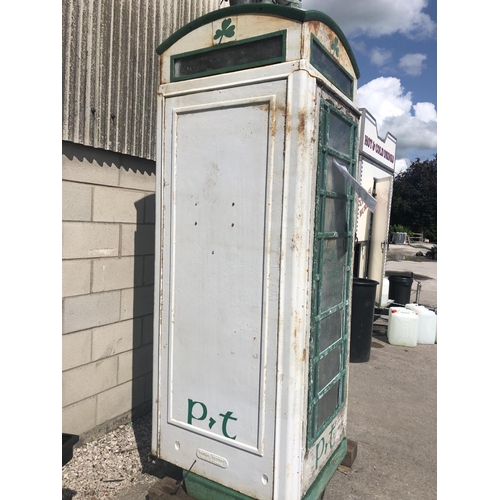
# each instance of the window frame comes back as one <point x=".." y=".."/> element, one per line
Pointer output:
<point x="314" y="430"/>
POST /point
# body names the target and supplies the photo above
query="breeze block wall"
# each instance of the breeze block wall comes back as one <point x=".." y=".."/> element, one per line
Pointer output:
<point x="107" y="288"/>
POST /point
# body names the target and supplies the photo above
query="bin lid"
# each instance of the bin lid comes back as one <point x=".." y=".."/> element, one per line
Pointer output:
<point x="401" y="279"/>
<point x="406" y="274"/>
<point x="364" y="282"/>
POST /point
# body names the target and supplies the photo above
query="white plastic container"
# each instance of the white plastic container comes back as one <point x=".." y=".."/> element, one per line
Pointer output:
<point x="384" y="298"/>
<point x="426" y="324"/>
<point x="402" y="327"/>
<point x="412" y="307"/>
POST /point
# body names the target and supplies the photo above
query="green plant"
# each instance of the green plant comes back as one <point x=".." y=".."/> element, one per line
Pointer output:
<point x="431" y="235"/>
<point x="414" y="198"/>
<point x="399" y="228"/>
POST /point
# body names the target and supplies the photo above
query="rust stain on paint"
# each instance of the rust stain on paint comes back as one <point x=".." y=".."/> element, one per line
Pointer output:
<point x="302" y="123"/>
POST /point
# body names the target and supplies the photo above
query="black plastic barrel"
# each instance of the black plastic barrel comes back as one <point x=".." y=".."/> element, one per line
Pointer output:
<point x="362" y="310"/>
<point x="68" y="442"/>
<point x="400" y="289"/>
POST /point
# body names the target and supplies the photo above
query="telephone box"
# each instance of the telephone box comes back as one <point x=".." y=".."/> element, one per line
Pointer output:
<point x="256" y="161"/>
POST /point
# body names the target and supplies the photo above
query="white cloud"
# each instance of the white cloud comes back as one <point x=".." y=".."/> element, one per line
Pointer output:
<point x="377" y="17"/>
<point x="359" y="46"/>
<point x="412" y="64"/>
<point x="401" y="165"/>
<point x="425" y="112"/>
<point x="384" y="98"/>
<point x="379" y="56"/>
<point x="413" y="125"/>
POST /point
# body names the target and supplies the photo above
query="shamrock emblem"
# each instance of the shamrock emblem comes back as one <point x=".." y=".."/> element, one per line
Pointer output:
<point x="335" y="46"/>
<point x="227" y="30"/>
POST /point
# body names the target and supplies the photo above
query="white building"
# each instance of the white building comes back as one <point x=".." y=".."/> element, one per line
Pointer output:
<point x="377" y="159"/>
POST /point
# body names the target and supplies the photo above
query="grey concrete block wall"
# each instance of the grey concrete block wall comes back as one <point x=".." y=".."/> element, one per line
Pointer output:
<point x="107" y="287"/>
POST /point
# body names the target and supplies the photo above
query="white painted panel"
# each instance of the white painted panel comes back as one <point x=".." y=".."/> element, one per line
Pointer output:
<point x="324" y="447"/>
<point x="366" y="178"/>
<point x="223" y="202"/>
<point x="295" y="284"/>
<point x="369" y="174"/>
<point x="380" y="231"/>
<point x="218" y="281"/>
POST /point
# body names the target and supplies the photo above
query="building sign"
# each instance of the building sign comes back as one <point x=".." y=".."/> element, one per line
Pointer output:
<point x="377" y="160"/>
<point x="381" y="150"/>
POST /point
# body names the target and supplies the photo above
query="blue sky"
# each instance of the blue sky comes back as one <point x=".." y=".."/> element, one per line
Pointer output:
<point x="395" y="45"/>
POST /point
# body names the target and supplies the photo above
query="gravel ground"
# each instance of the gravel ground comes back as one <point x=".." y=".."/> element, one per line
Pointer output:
<point x="113" y="463"/>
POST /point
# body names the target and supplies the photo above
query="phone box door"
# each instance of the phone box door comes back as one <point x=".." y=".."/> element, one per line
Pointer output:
<point x="222" y="175"/>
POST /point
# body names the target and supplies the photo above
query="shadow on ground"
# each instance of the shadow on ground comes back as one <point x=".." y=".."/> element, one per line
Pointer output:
<point x="150" y="465"/>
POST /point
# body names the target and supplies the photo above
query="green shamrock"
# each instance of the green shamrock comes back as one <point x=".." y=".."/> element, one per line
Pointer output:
<point x="227" y="30"/>
<point x="335" y="46"/>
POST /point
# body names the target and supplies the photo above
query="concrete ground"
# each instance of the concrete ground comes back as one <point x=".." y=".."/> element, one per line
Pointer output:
<point x="392" y="416"/>
<point x="392" y="408"/>
<point x="392" y="411"/>
<point x="402" y="258"/>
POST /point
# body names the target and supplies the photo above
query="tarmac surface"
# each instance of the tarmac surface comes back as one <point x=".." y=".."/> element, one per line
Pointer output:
<point x="392" y="407"/>
<point x="392" y="410"/>
<point x="402" y="258"/>
<point x="392" y="416"/>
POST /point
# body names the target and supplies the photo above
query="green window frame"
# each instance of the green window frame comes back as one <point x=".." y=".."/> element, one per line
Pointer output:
<point x="242" y="54"/>
<point x="332" y="264"/>
<point x="324" y="62"/>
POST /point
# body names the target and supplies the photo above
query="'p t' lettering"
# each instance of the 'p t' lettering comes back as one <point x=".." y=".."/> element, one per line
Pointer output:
<point x="319" y="453"/>
<point x="227" y="417"/>
<point x="191" y="406"/>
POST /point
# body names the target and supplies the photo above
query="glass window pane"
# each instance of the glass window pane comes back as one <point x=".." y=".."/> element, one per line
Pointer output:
<point x="253" y="53"/>
<point x="334" y="249"/>
<point x="335" y="215"/>
<point x="332" y="275"/>
<point x="328" y="404"/>
<point x="339" y="134"/>
<point x="331" y="291"/>
<point x="335" y="181"/>
<point x="329" y="67"/>
<point x="330" y="329"/>
<point x="329" y="368"/>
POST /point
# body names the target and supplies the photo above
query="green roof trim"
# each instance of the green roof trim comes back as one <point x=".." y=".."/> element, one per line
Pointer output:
<point x="263" y="8"/>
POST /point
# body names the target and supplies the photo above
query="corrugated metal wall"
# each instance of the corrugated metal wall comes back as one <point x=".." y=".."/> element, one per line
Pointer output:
<point x="110" y="69"/>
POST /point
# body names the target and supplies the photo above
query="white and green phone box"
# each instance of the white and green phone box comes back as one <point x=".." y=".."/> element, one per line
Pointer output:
<point x="257" y="136"/>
